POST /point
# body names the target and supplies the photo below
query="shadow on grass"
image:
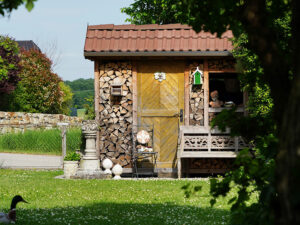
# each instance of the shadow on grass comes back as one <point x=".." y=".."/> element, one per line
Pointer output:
<point x="131" y="214"/>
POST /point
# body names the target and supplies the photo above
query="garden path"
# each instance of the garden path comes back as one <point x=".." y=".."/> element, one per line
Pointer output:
<point x="28" y="161"/>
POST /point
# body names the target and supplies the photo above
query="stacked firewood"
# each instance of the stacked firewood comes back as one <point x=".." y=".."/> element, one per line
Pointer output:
<point x="116" y="113"/>
<point x="211" y="163"/>
<point x="196" y="99"/>
<point x="221" y="64"/>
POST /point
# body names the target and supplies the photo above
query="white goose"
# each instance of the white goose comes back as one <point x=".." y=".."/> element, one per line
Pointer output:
<point x="10" y="217"/>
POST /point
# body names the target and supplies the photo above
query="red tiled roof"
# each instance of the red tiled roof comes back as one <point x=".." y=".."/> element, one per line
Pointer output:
<point x="143" y="39"/>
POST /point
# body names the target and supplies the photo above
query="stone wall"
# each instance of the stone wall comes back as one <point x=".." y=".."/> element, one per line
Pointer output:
<point x="115" y="113"/>
<point x="20" y="121"/>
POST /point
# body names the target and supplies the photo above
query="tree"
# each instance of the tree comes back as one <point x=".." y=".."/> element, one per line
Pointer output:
<point x="281" y="72"/>
<point x="7" y="6"/>
<point x="39" y="90"/>
<point x="151" y="12"/>
<point x="9" y="64"/>
<point x="83" y="89"/>
<point x="67" y="98"/>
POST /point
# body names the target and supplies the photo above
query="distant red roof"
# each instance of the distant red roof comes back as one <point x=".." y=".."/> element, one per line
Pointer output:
<point x="153" y="39"/>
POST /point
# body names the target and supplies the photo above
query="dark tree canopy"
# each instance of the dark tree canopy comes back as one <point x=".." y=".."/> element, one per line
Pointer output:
<point x="7" y="6"/>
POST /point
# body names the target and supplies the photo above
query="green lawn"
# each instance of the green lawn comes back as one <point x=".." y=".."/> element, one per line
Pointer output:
<point x="57" y="201"/>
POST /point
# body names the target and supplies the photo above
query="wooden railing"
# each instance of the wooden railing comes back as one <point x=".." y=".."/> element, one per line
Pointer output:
<point x="203" y="142"/>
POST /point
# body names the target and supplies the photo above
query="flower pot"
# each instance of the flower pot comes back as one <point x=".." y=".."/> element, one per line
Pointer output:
<point x="70" y="168"/>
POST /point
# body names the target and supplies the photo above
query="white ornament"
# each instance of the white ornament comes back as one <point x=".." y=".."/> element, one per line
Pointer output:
<point x="107" y="165"/>
<point x="143" y="137"/>
<point x="160" y="76"/>
<point x="117" y="170"/>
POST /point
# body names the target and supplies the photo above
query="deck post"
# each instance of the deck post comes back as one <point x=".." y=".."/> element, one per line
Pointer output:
<point x="134" y="94"/>
<point x="97" y="97"/>
<point x="206" y="93"/>
<point x="187" y="95"/>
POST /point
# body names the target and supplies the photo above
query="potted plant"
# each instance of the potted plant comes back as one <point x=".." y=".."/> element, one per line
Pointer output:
<point x="71" y="164"/>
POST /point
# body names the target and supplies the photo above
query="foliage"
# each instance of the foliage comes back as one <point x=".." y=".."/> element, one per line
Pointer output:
<point x="83" y="89"/>
<point x="72" y="156"/>
<point x="80" y="98"/>
<point x="266" y="36"/>
<point x="39" y="90"/>
<point x="81" y="113"/>
<point x="9" y="64"/>
<point x="151" y="12"/>
<point x="40" y="141"/>
<point x="67" y="98"/>
<point x="81" y="84"/>
<point x="89" y="109"/>
<point x="136" y="202"/>
<point x="7" y="6"/>
<point x="259" y="128"/>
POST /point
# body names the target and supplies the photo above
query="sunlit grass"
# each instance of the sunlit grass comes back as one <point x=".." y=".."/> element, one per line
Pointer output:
<point x="58" y="201"/>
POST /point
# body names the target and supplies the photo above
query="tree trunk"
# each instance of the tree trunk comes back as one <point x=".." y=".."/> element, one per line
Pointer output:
<point x="288" y="158"/>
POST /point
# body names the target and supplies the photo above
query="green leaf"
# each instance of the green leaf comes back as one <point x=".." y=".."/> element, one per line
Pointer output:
<point x="29" y="5"/>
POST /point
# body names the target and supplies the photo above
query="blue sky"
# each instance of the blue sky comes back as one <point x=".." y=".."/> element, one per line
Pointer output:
<point x="62" y="23"/>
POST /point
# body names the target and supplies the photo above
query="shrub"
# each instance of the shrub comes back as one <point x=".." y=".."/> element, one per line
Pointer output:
<point x="72" y="156"/>
<point x="9" y="64"/>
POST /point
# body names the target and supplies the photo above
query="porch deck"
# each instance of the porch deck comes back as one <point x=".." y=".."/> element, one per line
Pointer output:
<point x="204" y="142"/>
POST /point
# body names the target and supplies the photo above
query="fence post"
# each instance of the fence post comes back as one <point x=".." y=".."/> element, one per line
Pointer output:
<point x="63" y="127"/>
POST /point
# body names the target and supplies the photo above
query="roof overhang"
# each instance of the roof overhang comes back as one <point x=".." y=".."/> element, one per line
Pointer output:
<point x="156" y="53"/>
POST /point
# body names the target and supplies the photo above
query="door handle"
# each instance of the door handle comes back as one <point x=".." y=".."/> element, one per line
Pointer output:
<point x="181" y="115"/>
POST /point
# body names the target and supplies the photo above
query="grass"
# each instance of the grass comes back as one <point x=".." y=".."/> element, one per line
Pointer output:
<point x="57" y="201"/>
<point x="40" y="141"/>
<point x="81" y="113"/>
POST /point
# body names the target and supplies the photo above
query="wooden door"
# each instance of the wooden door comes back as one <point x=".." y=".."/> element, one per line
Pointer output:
<point x="159" y="104"/>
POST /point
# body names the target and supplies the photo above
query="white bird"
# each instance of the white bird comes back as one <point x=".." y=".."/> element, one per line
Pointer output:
<point x="10" y="217"/>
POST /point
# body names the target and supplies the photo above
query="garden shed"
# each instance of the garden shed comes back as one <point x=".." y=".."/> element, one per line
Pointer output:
<point x="168" y="81"/>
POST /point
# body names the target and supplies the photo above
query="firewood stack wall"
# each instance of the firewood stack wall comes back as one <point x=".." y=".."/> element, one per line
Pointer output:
<point x="115" y="113"/>
<point x="221" y="64"/>
<point x="196" y="98"/>
<point x="225" y="164"/>
<point x="197" y="112"/>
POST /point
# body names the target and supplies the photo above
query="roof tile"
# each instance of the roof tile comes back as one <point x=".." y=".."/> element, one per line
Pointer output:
<point x="153" y="37"/>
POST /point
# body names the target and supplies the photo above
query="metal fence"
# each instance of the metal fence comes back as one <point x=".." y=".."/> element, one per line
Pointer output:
<point x="42" y="141"/>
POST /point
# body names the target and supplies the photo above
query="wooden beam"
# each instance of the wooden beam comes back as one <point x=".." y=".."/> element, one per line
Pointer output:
<point x="220" y="154"/>
<point x="187" y="95"/>
<point x="222" y="71"/>
<point x="134" y="94"/>
<point x="206" y="93"/>
<point x="96" y="101"/>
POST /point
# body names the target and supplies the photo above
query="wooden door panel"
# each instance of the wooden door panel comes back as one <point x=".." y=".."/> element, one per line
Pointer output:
<point x="150" y="93"/>
<point x="169" y="93"/>
<point x="168" y="139"/>
<point x="159" y="104"/>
